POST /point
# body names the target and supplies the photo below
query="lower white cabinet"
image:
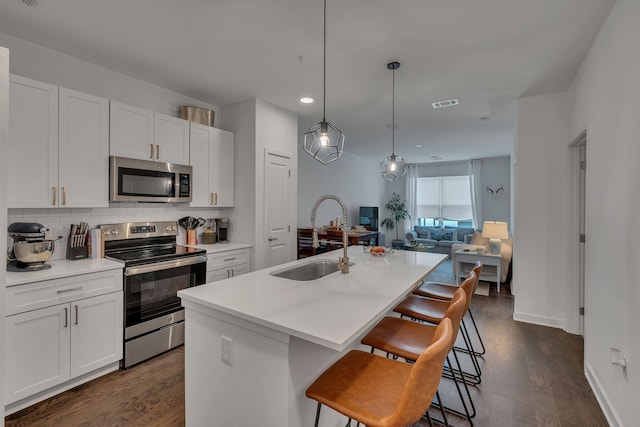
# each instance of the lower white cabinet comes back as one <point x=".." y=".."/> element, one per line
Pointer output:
<point x="54" y="345"/>
<point x="224" y="265"/>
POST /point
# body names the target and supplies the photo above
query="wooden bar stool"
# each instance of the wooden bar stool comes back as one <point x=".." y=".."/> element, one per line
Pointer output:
<point x="381" y="392"/>
<point x="445" y="291"/>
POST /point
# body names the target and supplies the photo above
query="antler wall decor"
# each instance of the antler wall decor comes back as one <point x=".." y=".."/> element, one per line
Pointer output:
<point x="494" y="192"/>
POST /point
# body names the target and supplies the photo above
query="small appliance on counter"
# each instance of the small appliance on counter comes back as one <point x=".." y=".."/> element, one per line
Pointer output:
<point x="208" y="235"/>
<point x="222" y="225"/>
<point x="31" y="249"/>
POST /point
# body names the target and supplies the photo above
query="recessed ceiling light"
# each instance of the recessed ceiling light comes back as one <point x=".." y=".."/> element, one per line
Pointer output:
<point x="306" y="100"/>
<point x="419" y="146"/>
<point x="446" y="103"/>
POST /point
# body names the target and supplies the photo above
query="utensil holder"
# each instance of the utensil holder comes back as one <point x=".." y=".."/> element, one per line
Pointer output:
<point x="192" y="237"/>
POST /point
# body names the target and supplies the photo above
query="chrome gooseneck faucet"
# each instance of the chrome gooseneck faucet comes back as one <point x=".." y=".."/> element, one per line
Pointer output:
<point x="343" y="261"/>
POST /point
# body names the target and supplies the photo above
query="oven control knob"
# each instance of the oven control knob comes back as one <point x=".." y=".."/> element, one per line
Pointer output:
<point x="174" y="228"/>
<point x="114" y="232"/>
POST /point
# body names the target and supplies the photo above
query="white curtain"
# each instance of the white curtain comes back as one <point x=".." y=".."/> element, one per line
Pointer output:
<point x="412" y="196"/>
<point x="475" y="168"/>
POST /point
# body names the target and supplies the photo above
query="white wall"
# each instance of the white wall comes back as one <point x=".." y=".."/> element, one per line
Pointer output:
<point x="4" y="136"/>
<point x="606" y="101"/>
<point x="357" y="181"/>
<point x="541" y="193"/>
<point x="259" y="125"/>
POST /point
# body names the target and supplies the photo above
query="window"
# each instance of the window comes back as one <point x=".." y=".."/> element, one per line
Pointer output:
<point x="444" y="201"/>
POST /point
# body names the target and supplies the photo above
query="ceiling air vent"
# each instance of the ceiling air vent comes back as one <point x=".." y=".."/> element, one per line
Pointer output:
<point x="447" y="103"/>
<point x="32" y="3"/>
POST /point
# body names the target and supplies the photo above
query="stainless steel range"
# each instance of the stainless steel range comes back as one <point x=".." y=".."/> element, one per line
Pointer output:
<point x="155" y="269"/>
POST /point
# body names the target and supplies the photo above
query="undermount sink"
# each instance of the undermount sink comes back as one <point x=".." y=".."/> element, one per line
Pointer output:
<point x="308" y="271"/>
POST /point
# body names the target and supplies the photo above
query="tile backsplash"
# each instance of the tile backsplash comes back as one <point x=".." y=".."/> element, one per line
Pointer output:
<point x="59" y="220"/>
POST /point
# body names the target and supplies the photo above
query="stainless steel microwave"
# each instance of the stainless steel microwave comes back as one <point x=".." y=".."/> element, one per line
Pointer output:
<point x="134" y="180"/>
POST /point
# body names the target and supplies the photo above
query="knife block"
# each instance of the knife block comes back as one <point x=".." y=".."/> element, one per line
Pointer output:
<point x="76" y="252"/>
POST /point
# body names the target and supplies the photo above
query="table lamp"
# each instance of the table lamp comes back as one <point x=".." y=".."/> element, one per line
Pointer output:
<point x="495" y="231"/>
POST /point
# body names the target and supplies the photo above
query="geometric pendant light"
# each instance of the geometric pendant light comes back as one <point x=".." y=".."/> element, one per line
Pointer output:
<point x="323" y="141"/>
<point x="393" y="167"/>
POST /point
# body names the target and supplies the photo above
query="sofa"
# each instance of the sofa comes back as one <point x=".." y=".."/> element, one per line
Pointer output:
<point x="442" y="239"/>
<point x="477" y="241"/>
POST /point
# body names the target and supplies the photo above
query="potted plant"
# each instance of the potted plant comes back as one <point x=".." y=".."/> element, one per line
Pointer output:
<point x="399" y="212"/>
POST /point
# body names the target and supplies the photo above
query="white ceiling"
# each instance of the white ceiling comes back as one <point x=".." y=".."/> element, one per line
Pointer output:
<point x="486" y="53"/>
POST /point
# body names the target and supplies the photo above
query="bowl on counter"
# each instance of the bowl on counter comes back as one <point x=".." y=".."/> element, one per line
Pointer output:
<point x="33" y="252"/>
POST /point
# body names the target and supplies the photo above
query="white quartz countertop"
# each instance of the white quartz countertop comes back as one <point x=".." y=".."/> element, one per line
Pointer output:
<point x="331" y="311"/>
<point x="223" y="247"/>
<point x="62" y="268"/>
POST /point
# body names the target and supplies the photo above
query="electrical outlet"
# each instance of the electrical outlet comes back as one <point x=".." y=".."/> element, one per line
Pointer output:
<point x="227" y="350"/>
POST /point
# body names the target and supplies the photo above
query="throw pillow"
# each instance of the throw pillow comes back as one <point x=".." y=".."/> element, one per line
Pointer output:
<point x="442" y="234"/>
<point x="423" y="232"/>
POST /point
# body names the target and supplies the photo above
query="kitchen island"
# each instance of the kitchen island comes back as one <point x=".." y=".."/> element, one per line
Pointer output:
<point x="255" y="342"/>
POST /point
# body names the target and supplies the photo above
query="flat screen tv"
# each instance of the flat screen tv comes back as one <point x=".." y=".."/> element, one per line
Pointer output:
<point x="369" y="217"/>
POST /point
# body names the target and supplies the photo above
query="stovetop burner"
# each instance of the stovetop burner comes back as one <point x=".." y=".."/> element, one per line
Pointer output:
<point x="137" y="243"/>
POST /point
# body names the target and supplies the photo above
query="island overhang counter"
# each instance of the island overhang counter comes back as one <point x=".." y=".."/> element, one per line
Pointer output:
<point x="255" y="342"/>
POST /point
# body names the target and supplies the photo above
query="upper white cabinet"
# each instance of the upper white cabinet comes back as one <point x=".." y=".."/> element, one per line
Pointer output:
<point x="58" y="146"/>
<point x="142" y="134"/>
<point x="83" y="152"/>
<point x="212" y="161"/>
<point x="131" y="132"/>
<point x="171" y="135"/>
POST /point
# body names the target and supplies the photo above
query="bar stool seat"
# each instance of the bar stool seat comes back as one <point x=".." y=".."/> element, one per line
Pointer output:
<point x="381" y="392"/>
<point x="425" y="309"/>
<point x="436" y="290"/>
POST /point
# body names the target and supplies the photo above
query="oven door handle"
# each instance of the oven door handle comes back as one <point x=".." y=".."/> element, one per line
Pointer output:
<point x="164" y="265"/>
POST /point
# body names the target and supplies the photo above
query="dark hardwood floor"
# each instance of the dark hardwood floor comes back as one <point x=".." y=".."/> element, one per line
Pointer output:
<point x="531" y="376"/>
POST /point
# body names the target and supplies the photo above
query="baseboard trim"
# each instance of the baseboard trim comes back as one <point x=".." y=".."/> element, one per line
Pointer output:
<point x="539" y="320"/>
<point x="601" y="397"/>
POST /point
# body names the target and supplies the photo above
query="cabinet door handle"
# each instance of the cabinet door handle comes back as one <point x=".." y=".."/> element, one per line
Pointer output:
<point x="157" y="151"/>
<point x="61" y="291"/>
<point x="66" y="317"/>
<point x="55" y="195"/>
<point x="151" y="156"/>
<point x="211" y="199"/>
<point x="64" y="196"/>
<point x="271" y="239"/>
<point x="76" y="306"/>
<point x="215" y="197"/>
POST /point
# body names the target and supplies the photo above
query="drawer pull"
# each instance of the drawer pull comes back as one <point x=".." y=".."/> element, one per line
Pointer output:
<point x="229" y="259"/>
<point x="62" y="291"/>
<point x="66" y="317"/>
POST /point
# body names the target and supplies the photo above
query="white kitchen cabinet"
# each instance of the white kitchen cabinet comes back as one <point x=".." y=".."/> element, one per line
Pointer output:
<point x="61" y="333"/>
<point x="171" y="137"/>
<point x="33" y="144"/>
<point x="38" y="351"/>
<point x="131" y="132"/>
<point x="142" y="134"/>
<point x="223" y="265"/>
<point x="58" y="146"/>
<point x="83" y="152"/>
<point x="212" y="161"/>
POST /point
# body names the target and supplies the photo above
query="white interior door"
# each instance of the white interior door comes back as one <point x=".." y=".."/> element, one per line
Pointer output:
<point x="277" y="174"/>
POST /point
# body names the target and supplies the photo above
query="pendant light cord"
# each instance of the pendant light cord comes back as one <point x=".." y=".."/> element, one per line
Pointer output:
<point x="393" y="114"/>
<point x="324" y="63"/>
